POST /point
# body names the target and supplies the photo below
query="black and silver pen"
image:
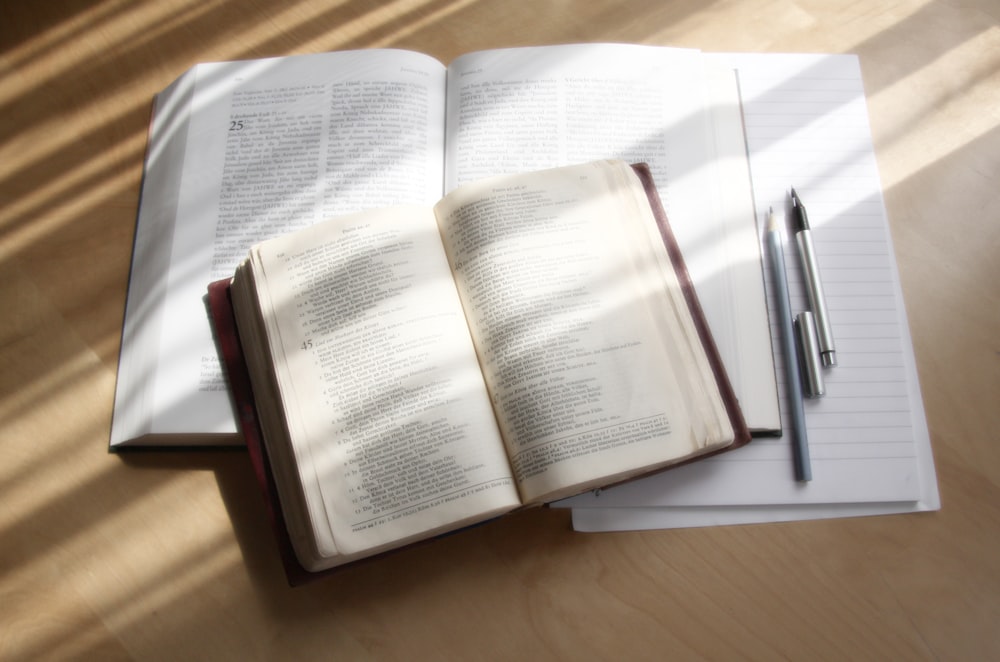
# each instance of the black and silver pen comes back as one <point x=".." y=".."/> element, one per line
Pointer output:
<point x="793" y="375"/>
<point x="814" y="287"/>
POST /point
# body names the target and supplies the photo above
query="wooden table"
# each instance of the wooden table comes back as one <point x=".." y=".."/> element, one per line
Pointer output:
<point x="168" y="555"/>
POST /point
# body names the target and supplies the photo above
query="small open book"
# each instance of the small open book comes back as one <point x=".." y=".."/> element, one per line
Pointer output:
<point x="414" y="371"/>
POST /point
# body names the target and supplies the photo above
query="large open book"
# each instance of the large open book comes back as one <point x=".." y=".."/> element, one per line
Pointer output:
<point x="244" y="151"/>
<point x="415" y="370"/>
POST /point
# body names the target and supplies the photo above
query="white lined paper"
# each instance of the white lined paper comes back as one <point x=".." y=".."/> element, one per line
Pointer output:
<point x="807" y="127"/>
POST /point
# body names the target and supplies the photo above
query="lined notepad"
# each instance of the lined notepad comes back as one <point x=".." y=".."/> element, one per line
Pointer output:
<point x="807" y="127"/>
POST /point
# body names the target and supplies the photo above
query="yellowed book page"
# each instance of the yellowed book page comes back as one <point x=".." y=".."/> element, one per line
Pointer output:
<point x="389" y="419"/>
<point x="565" y="314"/>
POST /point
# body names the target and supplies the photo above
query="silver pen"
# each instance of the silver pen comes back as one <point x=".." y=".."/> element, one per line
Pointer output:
<point x="814" y="287"/>
<point x="793" y="376"/>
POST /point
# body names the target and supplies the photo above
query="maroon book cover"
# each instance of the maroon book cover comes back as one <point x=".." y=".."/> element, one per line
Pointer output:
<point x="228" y="339"/>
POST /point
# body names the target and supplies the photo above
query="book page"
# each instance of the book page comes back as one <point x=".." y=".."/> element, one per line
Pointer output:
<point x="520" y="109"/>
<point x="257" y="149"/>
<point x="387" y="414"/>
<point x="516" y="110"/>
<point x="590" y="378"/>
<point x="134" y="416"/>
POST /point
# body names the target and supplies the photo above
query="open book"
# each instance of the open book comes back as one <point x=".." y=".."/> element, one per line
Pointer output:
<point x="240" y="152"/>
<point x="415" y="370"/>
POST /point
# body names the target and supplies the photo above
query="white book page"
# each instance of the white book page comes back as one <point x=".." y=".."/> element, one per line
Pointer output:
<point x="524" y="109"/>
<point x="133" y="417"/>
<point x="807" y="126"/>
<point x="273" y="146"/>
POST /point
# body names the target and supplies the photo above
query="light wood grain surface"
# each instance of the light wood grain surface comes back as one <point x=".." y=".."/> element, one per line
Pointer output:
<point x="168" y="556"/>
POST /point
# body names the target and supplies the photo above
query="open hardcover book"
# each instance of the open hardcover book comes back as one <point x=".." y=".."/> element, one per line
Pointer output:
<point x="241" y="152"/>
<point x="416" y="370"/>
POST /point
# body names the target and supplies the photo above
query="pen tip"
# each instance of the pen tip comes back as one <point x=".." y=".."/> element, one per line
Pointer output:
<point x="799" y="218"/>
